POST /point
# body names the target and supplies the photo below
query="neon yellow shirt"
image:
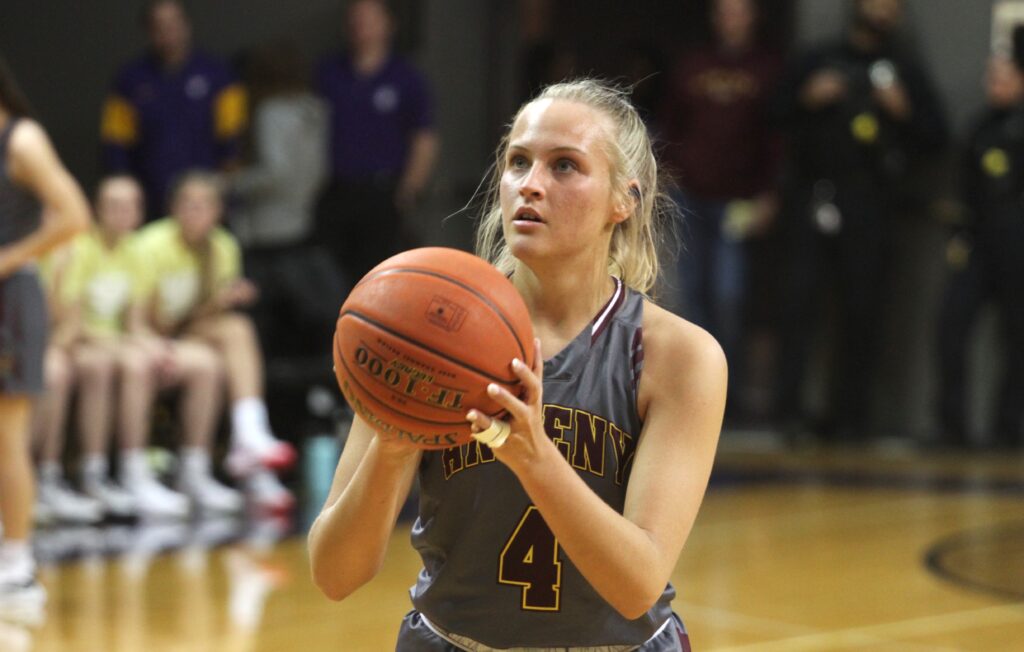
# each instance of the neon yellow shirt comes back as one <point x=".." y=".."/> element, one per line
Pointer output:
<point x="104" y="281"/>
<point x="174" y="271"/>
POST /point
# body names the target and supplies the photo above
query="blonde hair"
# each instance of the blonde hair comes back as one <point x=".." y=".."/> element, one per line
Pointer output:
<point x="633" y="252"/>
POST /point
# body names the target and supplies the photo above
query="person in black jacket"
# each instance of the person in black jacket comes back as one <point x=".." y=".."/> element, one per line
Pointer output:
<point x="984" y="258"/>
<point x="859" y="113"/>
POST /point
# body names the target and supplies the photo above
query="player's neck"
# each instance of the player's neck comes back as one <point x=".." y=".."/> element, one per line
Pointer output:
<point x="563" y="299"/>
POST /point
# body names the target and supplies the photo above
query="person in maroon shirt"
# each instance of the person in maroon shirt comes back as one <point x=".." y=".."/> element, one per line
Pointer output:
<point x="723" y="152"/>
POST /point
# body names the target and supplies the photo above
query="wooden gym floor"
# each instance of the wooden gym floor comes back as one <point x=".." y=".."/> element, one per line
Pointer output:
<point x="821" y="550"/>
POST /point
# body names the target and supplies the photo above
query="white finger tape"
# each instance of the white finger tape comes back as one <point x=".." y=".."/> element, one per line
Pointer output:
<point x="495" y="434"/>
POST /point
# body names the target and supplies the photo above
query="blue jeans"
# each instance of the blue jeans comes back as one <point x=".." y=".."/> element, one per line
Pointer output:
<point x="713" y="275"/>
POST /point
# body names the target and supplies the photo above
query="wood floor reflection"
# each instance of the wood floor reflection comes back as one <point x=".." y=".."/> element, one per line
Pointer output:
<point x="820" y="551"/>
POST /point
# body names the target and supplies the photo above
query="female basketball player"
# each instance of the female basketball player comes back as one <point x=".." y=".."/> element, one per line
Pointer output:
<point x="565" y="529"/>
<point x="41" y="206"/>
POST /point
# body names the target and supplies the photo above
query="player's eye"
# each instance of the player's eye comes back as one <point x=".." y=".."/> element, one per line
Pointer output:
<point x="518" y="162"/>
<point x="565" y="165"/>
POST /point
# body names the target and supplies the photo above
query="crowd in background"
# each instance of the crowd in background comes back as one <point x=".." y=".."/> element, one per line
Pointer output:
<point x="243" y="201"/>
<point x="230" y="223"/>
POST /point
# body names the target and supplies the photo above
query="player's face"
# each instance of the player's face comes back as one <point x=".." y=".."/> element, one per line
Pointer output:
<point x="197" y="207"/>
<point x="119" y="206"/>
<point x="556" y="193"/>
<point x="1004" y="83"/>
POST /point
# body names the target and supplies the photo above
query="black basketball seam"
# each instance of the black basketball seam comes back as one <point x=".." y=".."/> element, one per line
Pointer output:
<point x="409" y="340"/>
<point x="483" y="297"/>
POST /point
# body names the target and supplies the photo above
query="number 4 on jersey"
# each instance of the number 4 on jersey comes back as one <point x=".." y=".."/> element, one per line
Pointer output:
<point x="530" y="560"/>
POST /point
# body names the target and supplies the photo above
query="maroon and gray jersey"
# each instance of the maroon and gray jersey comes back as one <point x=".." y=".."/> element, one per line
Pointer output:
<point x="493" y="571"/>
<point x="20" y="211"/>
<point x="23" y="320"/>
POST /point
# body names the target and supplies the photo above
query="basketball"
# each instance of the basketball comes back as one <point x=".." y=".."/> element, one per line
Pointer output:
<point x="419" y="339"/>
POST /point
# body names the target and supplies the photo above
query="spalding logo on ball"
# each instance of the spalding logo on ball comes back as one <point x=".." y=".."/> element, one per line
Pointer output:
<point x="419" y="339"/>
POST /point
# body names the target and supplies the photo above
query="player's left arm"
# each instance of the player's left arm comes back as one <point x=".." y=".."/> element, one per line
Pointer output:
<point x="629" y="557"/>
<point x="34" y="165"/>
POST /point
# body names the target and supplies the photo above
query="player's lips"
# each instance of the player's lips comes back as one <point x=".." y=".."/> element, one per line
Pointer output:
<point x="526" y="214"/>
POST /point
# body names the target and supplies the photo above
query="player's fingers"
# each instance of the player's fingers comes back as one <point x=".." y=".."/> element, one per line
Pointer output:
<point x="516" y="408"/>
<point x="478" y="420"/>
<point x="529" y="379"/>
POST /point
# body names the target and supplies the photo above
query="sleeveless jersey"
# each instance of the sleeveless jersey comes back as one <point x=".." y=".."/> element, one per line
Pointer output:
<point x="20" y="211"/>
<point x="23" y="320"/>
<point x="493" y="571"/>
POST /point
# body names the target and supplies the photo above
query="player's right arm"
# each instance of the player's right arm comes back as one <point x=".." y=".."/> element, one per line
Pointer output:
<point x="348" y="540"/>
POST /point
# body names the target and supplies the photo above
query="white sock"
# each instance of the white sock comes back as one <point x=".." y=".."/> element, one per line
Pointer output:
<point x="195" y="462"/>
<point x="249" y="420"/>
<point x="16" y="556"/>
<point x="94" y="467"/>
<point x="50" y="472"/>
<point x="133" y="465"/>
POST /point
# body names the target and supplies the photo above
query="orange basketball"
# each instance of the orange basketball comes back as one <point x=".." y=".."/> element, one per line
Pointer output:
<point x="421" y="336"/>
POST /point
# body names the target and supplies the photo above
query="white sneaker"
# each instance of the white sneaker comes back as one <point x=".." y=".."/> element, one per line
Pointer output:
<point x="267" y="493"/>
<point x="67" y="505"/>
<point x="258" y="448"/>
<point x="208" y="495"/>
<point x="116" y="501"/>
<point x="155" y="500"/>
<point x="22" y="598"/>
<point x="42" y="515"/>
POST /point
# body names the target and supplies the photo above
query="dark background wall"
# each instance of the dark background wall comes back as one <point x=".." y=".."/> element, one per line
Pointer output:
<point x="474" y="52"/>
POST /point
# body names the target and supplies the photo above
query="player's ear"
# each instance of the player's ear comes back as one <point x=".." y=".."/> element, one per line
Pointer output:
<point x="627" y="203"/>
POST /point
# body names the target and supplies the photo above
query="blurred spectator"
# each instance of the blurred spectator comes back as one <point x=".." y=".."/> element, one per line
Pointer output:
<point x="102" y="346"/>
<point x="382" y="143"/>
<point x="56" y="500"/>
<point x="860" y="113"/>
<point x="720" y="144"/>
<point x="194" y="268"/>
<point x="300" y="286"/>
<point x="173" y="109"/>
<point x="985" y="260"/>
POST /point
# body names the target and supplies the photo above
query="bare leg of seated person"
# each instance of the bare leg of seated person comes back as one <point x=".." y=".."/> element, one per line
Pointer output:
<point x="92" y="367"/>
<point x="201" y="377"/>
<point x="139" y="384"/>
<point x="253" y="445"/>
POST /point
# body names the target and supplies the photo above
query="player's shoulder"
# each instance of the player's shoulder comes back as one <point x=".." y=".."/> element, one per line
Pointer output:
<point x="673" y="345"/>
<point x="30" y="152"/>
<point x="27" y="136"/>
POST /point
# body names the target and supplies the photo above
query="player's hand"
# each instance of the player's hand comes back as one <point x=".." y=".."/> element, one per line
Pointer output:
<point x="525" y="415"/>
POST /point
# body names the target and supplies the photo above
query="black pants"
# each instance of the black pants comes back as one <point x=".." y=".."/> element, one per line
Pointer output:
<point x="360" y="225"/>
<point x="301" y="291"/>
<point x="994" y="273"/>
<point x="846" y="267"/>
